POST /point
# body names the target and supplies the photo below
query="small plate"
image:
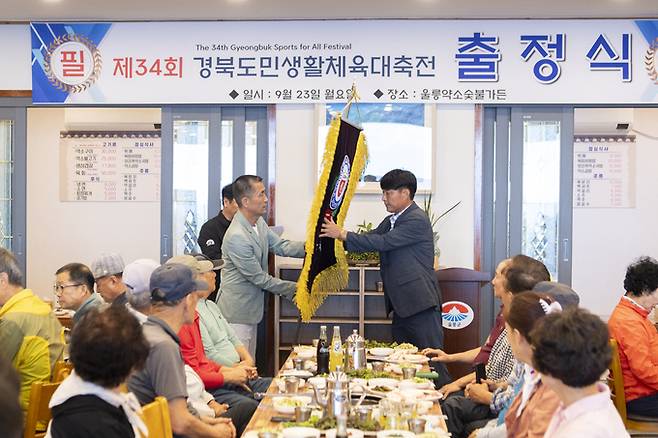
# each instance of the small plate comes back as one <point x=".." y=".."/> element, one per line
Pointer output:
<point x="286" y="405"/>
<point x="305" y="354"/>
<point x="320" y="382"/>
<point x="381" y="351"/>
<point x="412" y="384"/>
<point x="431" y="395"/>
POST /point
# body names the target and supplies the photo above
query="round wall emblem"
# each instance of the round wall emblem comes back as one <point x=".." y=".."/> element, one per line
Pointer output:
<point x="72" y="63"/>
<point x="457" y="315"/>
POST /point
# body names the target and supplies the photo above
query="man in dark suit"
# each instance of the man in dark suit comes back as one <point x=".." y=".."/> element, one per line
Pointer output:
<point x="406" y="249"/>
<point x="212" y="232"/>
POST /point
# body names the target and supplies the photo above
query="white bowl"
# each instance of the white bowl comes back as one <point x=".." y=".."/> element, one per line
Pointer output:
<point x="286" y="405"/>
<point x="320" y="382"/>
<point x="300" y="432"/>
<point x="305" y="354"/>
<point x="413" y="384"/>
<point x="381" y="351"/>
<point x="407" y="394"/>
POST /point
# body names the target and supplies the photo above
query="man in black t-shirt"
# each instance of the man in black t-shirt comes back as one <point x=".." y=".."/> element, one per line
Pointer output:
<point x="212" y="232"/>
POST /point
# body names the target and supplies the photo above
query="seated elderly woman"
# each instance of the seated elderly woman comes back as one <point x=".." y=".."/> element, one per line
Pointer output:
<point x="106" y="346"/>
<point x="534" y="404"/>
<point x="637" y="337"/>
<point x="572" y="351"/>
<point x="482" y="401"/>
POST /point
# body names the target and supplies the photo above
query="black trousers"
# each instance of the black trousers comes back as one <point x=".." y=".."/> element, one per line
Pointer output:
<point x="464" y="415"/>
<point x="645" y="406"/>
<point x="424" y="330"/>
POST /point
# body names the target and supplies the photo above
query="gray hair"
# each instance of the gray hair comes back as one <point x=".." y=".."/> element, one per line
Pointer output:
<point x="9" y="265"/>
<point x="243" y="187"/>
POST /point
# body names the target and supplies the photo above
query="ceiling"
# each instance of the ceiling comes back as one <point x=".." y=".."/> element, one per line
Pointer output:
<point x="34" y="10"/>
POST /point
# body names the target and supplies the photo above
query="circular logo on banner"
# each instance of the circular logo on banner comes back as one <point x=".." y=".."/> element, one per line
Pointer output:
<point x="341" y="184"/>
<point x="72" y="63"/>
<point x="457" y="315"/>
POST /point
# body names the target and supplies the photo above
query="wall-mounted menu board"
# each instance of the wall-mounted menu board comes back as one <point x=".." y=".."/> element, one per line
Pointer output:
<point x="604" y="175"/>
<point x="110" y="166"/>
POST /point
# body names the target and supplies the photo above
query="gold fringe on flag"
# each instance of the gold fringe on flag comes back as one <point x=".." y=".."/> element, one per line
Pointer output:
<point x="334" y="278"/>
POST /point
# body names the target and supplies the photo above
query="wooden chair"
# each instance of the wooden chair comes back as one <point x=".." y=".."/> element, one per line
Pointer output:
<point x="156" y="418"/>
<point x="38" y="413"/>
<point x="61" y="371"/>
<point x="644" y="425"/>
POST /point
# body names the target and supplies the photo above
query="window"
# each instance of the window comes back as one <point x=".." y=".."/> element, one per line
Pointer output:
<point x="398" y="136"/>
<point x="6" y="163"/>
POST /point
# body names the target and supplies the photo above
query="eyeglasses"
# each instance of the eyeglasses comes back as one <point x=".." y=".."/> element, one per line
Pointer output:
<point x="57" y="288"/>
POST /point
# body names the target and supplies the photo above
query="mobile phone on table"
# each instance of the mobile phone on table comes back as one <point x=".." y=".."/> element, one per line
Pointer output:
<point x="281" y="419"/>
<point x="480" y="372"/>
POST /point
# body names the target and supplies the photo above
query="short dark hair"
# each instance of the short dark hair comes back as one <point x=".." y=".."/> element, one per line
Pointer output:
<point x="399" y="179"/>
<point x="522" y="273"/>
<point x="106" y="346"/>
<point x="243" y="187"/>
<point x="524" y="312"/>
<point x="9" y="265"/>
<point x="572" y="346"/>
<point x="11" y="416"/>
<point x="79" y="273"/>
<point x="227" y="192"/>
<point x="642" y="277"/>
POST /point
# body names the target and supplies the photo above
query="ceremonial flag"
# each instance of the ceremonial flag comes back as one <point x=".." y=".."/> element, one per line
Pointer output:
<point x="325" y="265"/>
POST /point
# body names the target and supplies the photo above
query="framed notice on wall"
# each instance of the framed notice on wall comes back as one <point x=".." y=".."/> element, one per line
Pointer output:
<point x="604" y="172"/>
<point x="109" y="166"/>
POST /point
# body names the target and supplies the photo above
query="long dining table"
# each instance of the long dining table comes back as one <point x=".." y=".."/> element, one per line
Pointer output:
<point x="262" y="418"/>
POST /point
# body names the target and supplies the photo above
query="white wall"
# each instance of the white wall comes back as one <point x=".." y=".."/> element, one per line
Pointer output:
<point x="15" y="73"/>
<point x="63" y="232"/>
<point x="296" y="127"/>
<point x="606" y="240"/>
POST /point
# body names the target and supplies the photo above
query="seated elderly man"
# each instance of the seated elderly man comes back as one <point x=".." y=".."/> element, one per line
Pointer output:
<point x="137" y="276"/>
<point x="220" y="342"/>
<point x="637" y="337"/>
<point x="31" y="338"/>
<point x="173" y="302"/>
<point x="74" y="288"/>
<point x="108" y="272"/>
<point x="233" y="385"/>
